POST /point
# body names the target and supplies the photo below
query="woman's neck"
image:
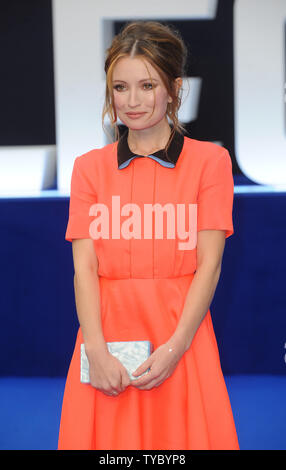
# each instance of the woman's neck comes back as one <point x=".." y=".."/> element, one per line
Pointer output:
<point x="150" y="140"/>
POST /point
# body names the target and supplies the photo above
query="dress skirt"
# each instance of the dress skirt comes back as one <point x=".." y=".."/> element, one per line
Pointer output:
<point x="189" y="410"/>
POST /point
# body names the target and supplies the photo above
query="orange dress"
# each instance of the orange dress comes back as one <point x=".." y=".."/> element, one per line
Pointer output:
<point x="143" y="286"/>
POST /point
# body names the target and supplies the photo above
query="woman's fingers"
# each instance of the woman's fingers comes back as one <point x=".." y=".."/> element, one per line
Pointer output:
<point x="120" y="385"/>
<point x="143" y="367"/>
<point x="155" y="382"/>
<point x="125" y="380"/>
<point x="114" y="393"/>
<point x="144" y="383"/>
<point x="109" y="375"/>
<point x="146" y="379"/>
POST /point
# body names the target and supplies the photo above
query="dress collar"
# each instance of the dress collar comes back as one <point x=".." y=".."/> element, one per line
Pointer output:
<point x="167" y="159"/>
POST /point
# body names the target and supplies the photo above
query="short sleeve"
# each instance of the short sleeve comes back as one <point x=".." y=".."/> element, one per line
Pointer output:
<point x="215" y="199"/>
<point x="82" y="197"/>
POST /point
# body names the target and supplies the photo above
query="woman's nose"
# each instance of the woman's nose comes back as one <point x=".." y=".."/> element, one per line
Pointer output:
<point x="133" y="98"/>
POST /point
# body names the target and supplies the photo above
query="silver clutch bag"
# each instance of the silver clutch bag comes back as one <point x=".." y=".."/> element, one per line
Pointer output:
<point x="130" y="353"/>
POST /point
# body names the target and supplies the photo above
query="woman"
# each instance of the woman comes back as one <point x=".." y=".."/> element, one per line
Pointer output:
<point x="156" y="287"/>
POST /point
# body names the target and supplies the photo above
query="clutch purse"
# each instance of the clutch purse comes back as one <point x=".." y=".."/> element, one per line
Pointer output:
<point x="130" y="353"/>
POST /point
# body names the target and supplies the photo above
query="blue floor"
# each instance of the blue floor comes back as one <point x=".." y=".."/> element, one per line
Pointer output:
<point x="30" y="412"/>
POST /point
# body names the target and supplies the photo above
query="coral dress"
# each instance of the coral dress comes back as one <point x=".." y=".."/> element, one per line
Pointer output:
<point x="143" y="285"/>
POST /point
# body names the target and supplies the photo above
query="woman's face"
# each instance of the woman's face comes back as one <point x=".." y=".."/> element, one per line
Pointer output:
<point x="135" y="97"/>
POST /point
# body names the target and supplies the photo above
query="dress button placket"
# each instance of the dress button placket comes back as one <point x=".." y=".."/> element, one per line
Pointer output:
<point x="143" y="189"/>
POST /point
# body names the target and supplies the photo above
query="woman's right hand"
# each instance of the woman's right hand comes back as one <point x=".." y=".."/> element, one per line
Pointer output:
<point x="106" y="372"/>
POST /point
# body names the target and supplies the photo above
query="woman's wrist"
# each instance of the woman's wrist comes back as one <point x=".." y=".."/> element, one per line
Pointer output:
<point x="178" y="342"/>
<point x="95" y="346"/>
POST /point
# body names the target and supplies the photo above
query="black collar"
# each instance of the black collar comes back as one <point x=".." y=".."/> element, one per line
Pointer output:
<point x="167" y="159"/>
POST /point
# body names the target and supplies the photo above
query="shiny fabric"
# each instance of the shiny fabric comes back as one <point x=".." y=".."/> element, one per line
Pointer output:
<point x="143" y="286"/>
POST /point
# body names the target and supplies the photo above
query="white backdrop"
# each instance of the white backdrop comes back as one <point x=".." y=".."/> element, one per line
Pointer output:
<point x="81" y="35"/>
<point x="259" y="58"/>
<point x="82" y="32"/>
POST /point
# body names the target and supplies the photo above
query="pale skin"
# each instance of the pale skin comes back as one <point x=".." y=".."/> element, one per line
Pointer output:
<point x="133" y="93"/>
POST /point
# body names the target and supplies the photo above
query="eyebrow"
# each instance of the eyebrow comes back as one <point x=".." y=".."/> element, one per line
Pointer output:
<point x="143" y="80"/>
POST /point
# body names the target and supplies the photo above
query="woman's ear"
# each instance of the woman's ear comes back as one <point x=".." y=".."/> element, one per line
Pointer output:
<point x="178" y="83"/>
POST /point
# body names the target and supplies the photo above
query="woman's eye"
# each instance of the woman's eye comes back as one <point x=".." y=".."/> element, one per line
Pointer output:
<point x="118" y="87"/>
<point x="148" y="86"/>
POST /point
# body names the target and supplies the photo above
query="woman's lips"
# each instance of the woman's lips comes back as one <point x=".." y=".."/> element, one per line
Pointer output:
<point x="134" y="115"/>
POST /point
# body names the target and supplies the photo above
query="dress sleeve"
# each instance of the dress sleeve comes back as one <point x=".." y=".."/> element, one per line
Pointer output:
<point x="82" y="197"/>
<point x="215" y="199"/>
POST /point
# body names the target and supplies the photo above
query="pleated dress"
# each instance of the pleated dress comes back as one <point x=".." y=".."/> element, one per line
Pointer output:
<point x="144" y="279"/>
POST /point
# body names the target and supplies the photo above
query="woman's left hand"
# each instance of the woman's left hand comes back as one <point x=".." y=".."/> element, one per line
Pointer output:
<point x="162" y="363"/>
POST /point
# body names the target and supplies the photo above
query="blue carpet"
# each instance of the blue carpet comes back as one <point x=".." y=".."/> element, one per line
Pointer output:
<point x="259" y="409"/>
<point x="30" y="411"/>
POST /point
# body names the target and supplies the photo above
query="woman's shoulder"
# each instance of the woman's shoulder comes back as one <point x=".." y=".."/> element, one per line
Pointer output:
<point x="202" y="155"/>
<point x="97" y="156"/>
<point x="207" y="158"/>
<point x="204" y="149"/>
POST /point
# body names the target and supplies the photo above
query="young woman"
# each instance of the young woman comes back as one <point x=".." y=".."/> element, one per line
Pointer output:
<point x="137" y="282"/>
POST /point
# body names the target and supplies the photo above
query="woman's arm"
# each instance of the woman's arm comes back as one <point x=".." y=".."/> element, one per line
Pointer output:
<point x="210" y="247"/>
<point x="87" y="293"/>
<point x="106" y="372"/>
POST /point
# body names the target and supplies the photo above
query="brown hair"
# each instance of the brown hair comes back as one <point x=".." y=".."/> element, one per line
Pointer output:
<point x="160" y="45"/>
